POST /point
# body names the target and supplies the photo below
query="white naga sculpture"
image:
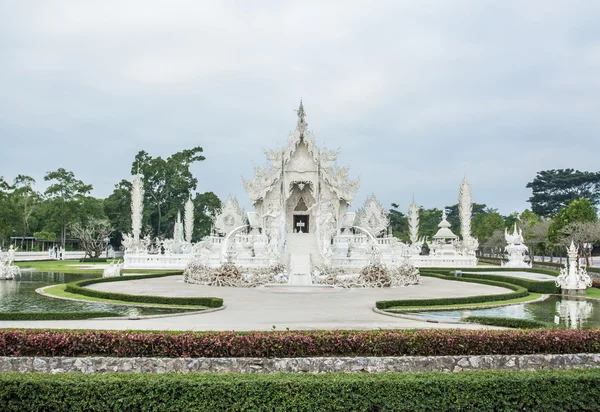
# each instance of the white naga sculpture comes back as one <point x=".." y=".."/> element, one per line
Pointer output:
<point x="8" y="270"/>
<point x="300" y="222"/>
<point x="112" y="270"/>
<point x="573" y="278"/>
<point x="516" y="249"/>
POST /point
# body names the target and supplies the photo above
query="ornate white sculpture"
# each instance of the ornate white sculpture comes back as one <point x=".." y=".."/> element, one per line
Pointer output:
<point x="373" y="217"/>
<point x="416" y="244"/>
<point x="189" y="220"/>
<point x="7" y="268"/>
<point x="444" y="240"/>
<point x="573" y="278"/>
<point x="137" y="208"/>
<point x="230" y="216"/>
<point x="112" y="270"/>
<point x="468" y="245"/>
<point x="516" y="249"/>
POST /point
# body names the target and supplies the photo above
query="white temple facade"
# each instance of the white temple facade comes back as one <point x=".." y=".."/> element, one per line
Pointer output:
<point x="302" y="221"/>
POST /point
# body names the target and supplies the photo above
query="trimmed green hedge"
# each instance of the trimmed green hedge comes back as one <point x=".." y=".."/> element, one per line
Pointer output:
<point x="508" y="322"/>
<point x="548" y="287"/>
<point x="92" y="260"/>
<point x="55" y="315"/>
<point x="547" y="264"/>
<point x="575" y="390"/>
<point x="519" y="292"/>
<point x="80" y="289"/>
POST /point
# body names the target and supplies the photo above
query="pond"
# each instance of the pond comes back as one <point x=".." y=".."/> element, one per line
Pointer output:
<point x="566" y="312"/>
<point x="19" y="295"/>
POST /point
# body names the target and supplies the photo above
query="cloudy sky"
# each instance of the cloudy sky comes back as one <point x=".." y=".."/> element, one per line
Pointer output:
<point x="413" y="92"/>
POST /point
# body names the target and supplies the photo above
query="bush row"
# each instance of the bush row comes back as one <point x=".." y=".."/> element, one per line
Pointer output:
<point x="482" y="391"/>
<point x="55" y="315"/>
<point x="548" y="286"/>
<point x="508" y="322"/>
<point x="519" y="292"/>
<point x="294" y="344"/>
<point x="79" y="288"/>
<point x="93" y="260"/>
<point x="538" y="263"/>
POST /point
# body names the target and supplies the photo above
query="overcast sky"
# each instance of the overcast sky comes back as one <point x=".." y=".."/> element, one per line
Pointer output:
<point x="413" y="92"/>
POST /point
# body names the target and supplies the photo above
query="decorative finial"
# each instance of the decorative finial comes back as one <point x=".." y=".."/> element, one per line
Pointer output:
<point x="301" y="124"/>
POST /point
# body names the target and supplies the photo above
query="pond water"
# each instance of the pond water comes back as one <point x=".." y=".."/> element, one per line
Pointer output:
<point x="19" y="295"/>
<point x="573" y="313"/>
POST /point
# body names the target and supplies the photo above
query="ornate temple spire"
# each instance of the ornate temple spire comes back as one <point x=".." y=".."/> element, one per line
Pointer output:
<point x="301" y="124"/>
<point x="189" y="219"/>
<point x="413" y="221"/>
<point x="465" y="208"/>
<point x="137" y="207"/>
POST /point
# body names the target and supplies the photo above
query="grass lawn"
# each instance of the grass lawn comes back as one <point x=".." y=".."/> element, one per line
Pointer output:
<point x="74" y="266"/>
<point x="528" y="298"/>
<point x="593" y="293"/>
<point x="59" y="291"/>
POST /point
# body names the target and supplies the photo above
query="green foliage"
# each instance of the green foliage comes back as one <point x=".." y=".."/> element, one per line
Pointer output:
<point x="508" y="322"/>
<point x="579" y="210"/>
<point x="555" y="189"/>
<point x="55" y="315"/>
<point x="485" y="224"/>
<point x="167" y="184"/>
<point x="93" y="260"/>
<point x="80" y="289"/>
<point x="206" y="205"/>
<point x="399" y="223"/>
<point x="554" y="390"/>
<point x="428" y="221"/>
<point x="519" y="292"/>
<point x="454" y="218"/>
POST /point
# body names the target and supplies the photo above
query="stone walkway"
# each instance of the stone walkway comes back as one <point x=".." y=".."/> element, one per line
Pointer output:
<point x="279" y="308"/>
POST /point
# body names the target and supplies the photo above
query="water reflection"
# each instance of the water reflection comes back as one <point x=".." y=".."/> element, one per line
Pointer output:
<point x="19" y="295"/>
<point x="567" y="312"/>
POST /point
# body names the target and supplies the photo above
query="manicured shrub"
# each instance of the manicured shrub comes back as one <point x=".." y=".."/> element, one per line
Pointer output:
<point x="519" y="292"/>
<point x="574" y="390"/>
<point x="80" y="289"/>
<point x="536" y="286"/>
<point x="508" y="322"/>
<point x="292" y="344"/>
<point x="55" y="315"/>
<point x="93" y="260"/>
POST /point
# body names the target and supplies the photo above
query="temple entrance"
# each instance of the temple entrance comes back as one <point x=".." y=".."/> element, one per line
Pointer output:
<point x="301" y="224"/>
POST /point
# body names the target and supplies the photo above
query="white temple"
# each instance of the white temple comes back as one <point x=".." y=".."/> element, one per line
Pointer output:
<point x="516" y="249"/>
<point x="302" y="222"/>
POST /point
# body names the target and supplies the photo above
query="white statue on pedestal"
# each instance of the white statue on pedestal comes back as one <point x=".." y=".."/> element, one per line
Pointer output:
<point x="573" y="278"/>
<point x="516" y="249"/>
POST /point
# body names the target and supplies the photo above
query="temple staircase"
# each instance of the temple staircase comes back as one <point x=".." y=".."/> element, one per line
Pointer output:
<point x="301" y="247"/>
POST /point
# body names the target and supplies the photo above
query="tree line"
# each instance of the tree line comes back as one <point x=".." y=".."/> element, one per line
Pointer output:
<point x="563" y="208"/>
<point x="66" y="210"/>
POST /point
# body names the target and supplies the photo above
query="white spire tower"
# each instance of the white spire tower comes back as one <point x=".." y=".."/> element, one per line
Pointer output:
<point x="465" y="209"/>
<point x="189" y="219"/>
<point x="137" y="207"/>
<point x="413" y="222"/>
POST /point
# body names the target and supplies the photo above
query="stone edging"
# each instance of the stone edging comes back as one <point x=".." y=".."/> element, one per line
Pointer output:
<point x="299" y="365"/>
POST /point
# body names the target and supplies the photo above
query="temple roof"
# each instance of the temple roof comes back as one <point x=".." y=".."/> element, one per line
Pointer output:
<point x="337" y="177"/>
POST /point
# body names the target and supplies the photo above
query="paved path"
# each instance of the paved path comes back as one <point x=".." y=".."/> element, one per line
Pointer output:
<point x="279" y="307"/>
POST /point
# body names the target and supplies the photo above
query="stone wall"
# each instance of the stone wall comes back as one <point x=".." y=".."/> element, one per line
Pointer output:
<point x="298" y="365"/>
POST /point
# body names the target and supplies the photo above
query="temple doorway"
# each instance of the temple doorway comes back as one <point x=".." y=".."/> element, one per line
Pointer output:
<point x="301" y="224"/>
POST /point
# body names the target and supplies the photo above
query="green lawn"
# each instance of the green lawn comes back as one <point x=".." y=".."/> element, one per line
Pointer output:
<point x="74" y="266"/>
<point x="528" y="298"/>
<point x="59" y="291"/>
<point x="593" y="293"/>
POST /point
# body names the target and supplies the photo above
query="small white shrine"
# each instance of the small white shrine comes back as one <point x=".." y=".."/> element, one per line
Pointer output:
<point x="573" y="278"/>
<point x="300" y="225"/>
<point x="515" y="249"/>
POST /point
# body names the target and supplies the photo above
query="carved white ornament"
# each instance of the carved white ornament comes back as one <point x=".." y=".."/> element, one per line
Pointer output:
<point x="573" y="276"/>
<point x="230" y="216"/>
<point x="516" y="249"/>
<point x="373" y="217"/>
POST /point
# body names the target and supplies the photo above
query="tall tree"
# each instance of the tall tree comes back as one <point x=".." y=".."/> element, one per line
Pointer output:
<point x="167" y="183"/>
<point x="25" y="199"/>
<point x="429" y="219"/>
<point x="486" y="224"/>
<point x="454" y="218"/>
<point x="555" y="189"/>
<point x="206" y="205"/>
<point x="399" y="223"/>
<point x="580" y="210"/>
<point x="65" y="194"/>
